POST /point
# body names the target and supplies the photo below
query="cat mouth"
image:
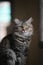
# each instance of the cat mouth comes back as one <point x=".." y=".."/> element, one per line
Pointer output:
<point x="24" y="31"/>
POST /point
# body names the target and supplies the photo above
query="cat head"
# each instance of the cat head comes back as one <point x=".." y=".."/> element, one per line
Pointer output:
<point x="24" y="28"/>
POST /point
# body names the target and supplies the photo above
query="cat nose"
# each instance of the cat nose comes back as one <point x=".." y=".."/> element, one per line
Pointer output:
<point x="23" y="30"/>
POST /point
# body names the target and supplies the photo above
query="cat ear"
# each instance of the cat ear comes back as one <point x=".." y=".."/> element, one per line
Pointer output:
<point x="29" y="20"/>
<point x="17" y="21"/>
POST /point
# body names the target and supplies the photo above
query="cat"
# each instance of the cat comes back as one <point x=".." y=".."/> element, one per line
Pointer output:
<point x="19" y="40"/>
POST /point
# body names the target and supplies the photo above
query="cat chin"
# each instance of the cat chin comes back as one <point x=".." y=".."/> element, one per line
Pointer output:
<point x="25" y="33"/>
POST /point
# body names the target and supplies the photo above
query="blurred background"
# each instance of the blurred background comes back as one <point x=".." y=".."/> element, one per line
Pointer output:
<point x="23" y="9"/>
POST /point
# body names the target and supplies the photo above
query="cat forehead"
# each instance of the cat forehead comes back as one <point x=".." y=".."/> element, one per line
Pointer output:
<point x="19" y="22"/>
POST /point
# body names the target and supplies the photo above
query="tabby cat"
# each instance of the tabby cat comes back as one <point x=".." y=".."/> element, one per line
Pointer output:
<point x="18" y="41"/>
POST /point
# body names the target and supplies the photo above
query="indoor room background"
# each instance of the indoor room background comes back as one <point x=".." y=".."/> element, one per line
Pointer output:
<point x="23" y="9"/>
